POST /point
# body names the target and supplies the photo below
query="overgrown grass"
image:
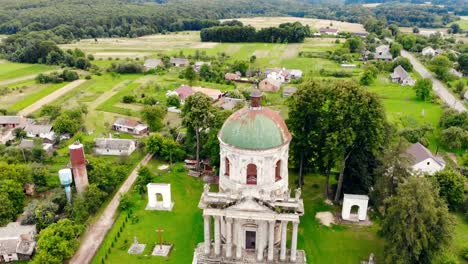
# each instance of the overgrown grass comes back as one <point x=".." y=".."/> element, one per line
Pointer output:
<point x="33" y="97"/>
<point x="10" y="70"/>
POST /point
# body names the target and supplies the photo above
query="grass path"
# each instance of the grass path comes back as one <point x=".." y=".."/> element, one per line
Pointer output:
<point x="50" y="98"/>
<point x="108" y="94"/>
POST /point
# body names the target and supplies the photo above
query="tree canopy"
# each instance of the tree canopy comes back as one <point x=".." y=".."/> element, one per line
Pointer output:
<point x="417" y="224"/>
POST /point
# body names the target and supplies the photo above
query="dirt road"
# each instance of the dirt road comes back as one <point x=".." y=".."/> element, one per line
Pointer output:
<point x="437" y="86"/>
<point x="50" y="98"/>
<point x="96" y="232"/>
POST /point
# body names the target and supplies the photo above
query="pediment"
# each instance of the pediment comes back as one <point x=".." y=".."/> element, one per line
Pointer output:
<point x="249" y="204"/>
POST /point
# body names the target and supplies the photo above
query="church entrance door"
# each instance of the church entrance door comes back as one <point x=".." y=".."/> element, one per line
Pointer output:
<point x="250" y="237"/>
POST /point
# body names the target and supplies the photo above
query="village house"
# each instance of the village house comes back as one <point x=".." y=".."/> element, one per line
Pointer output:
<point x="329" y="31"/>
<point x="283" y="74"/>
<point x="401" y="76"/>
<point x="382" y="52"/>
<point x="228" y="103"/>
<point x="131" y="126"/>
<point x="360" y="34"/>
<point x="152" y="64"/>
<point x="40" y="131"/>
<point x="17" y="242"/>
<point x="10" y="121"/>
<point x="232" y="76"/>
<point x="7" y="125"/>
<point x="422" y="160"/>
<point x="288" y="91"/>
<point x="114" y="146"/>
<point x="269" y="85"/>
<point x="179" y="62"/>
<point x="197" y="66"/>
<point x="185" y="91"/>
<point x="428" y="33"/>
<point x="29" y="144"/>
<point x="455" y="73"/>
<point x="214" y="94"/>
<point x="428" y="51"/>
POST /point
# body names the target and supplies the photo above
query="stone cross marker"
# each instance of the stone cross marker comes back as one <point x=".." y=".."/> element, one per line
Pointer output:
<point x="159" y="230"/>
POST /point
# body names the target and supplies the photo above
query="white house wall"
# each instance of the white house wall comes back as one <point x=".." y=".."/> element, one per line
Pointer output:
<point x="429" y="166"/>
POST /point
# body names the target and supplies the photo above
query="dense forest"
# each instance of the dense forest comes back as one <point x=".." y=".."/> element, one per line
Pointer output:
<point x="36" y="26"/>
<point x="285" y="33"/>
<point x="459" y="7"/>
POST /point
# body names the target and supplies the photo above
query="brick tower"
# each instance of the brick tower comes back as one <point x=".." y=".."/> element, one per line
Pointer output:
<point x="78" y="166"/>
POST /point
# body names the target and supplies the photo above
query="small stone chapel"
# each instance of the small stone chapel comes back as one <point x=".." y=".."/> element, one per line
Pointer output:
<point x="254" y="213"/>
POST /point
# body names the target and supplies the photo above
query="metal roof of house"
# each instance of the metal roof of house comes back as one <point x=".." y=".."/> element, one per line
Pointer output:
<point x="127" y="122"/>
<point x="400" y="72"/>
<point x="5" y="120"/>
<point x="383" y="52"/>
<point x="179" y="61"/>
<point x="274" y="82"/>
<point x="15" y="230"/>
<point x="38" y="129"/>
<point x="114" y="143"/>
<point x="417" y="153"/>
<point x="152" y="63"/>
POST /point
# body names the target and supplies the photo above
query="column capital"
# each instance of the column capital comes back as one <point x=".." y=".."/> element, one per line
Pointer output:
<point x="271" y="221"/>
<point x="229" y="219"/>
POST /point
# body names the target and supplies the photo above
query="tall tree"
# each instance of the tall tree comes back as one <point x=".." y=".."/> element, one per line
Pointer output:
<point x="329" y="120"/>
<point x="417" y="224"/>
<point x="154" y="116"/>
<point x="451" y="187"/>
<point x="197" y="116"/>
<point x="144" y="177"/>
<point x="57" y="242"/>
<point x="393" y="170"/>
<point x="423" y="89"/>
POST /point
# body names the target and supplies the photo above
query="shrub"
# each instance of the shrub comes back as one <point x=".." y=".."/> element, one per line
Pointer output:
<point x="128" y="99"/>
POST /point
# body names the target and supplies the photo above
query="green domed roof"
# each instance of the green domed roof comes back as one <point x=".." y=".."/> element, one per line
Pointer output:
<point x="255" y="129"/>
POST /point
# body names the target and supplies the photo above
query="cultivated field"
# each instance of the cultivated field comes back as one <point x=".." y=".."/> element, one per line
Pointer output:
<point x="262" y="22"/>
<point x="139" y="47"/>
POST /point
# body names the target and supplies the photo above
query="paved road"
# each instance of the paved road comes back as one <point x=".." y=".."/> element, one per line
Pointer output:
<point x="96" y="232"/>
<point x="50" y="98"/>
<point x="437" y="86"/>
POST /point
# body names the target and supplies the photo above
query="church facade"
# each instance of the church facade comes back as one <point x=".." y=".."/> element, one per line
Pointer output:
<point x="254" y="213"/>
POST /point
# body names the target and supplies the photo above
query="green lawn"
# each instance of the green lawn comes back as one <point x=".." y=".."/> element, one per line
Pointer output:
<point x="183" y="227"/>
<point x="92" y="89"/>
<point x="462" y="23"/>
<point x="10" y="70"/>
<point x="404" y="109"/>
<point x="41" y="92"/>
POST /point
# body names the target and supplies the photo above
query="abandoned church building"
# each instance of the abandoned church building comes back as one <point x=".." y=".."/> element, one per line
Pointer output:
<point x="254" y="214"/>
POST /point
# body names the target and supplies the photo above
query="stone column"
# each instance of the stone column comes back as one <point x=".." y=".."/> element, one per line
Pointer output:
<point x="271" y="239"/>
<point x="217" y="235"/>
<point x="284" y="238"/>
<point x="228" y="237"/>
<point x="239" y="240"/>
<point x="207" y="234"/>
<point x="294" y="242"/>
<point x="260" y="246"/>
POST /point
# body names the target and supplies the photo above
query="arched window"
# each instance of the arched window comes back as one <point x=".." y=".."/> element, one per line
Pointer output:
<point x="252" y="174"/>
<point x="227" y="167"/>
<point x="278" y="171"/>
